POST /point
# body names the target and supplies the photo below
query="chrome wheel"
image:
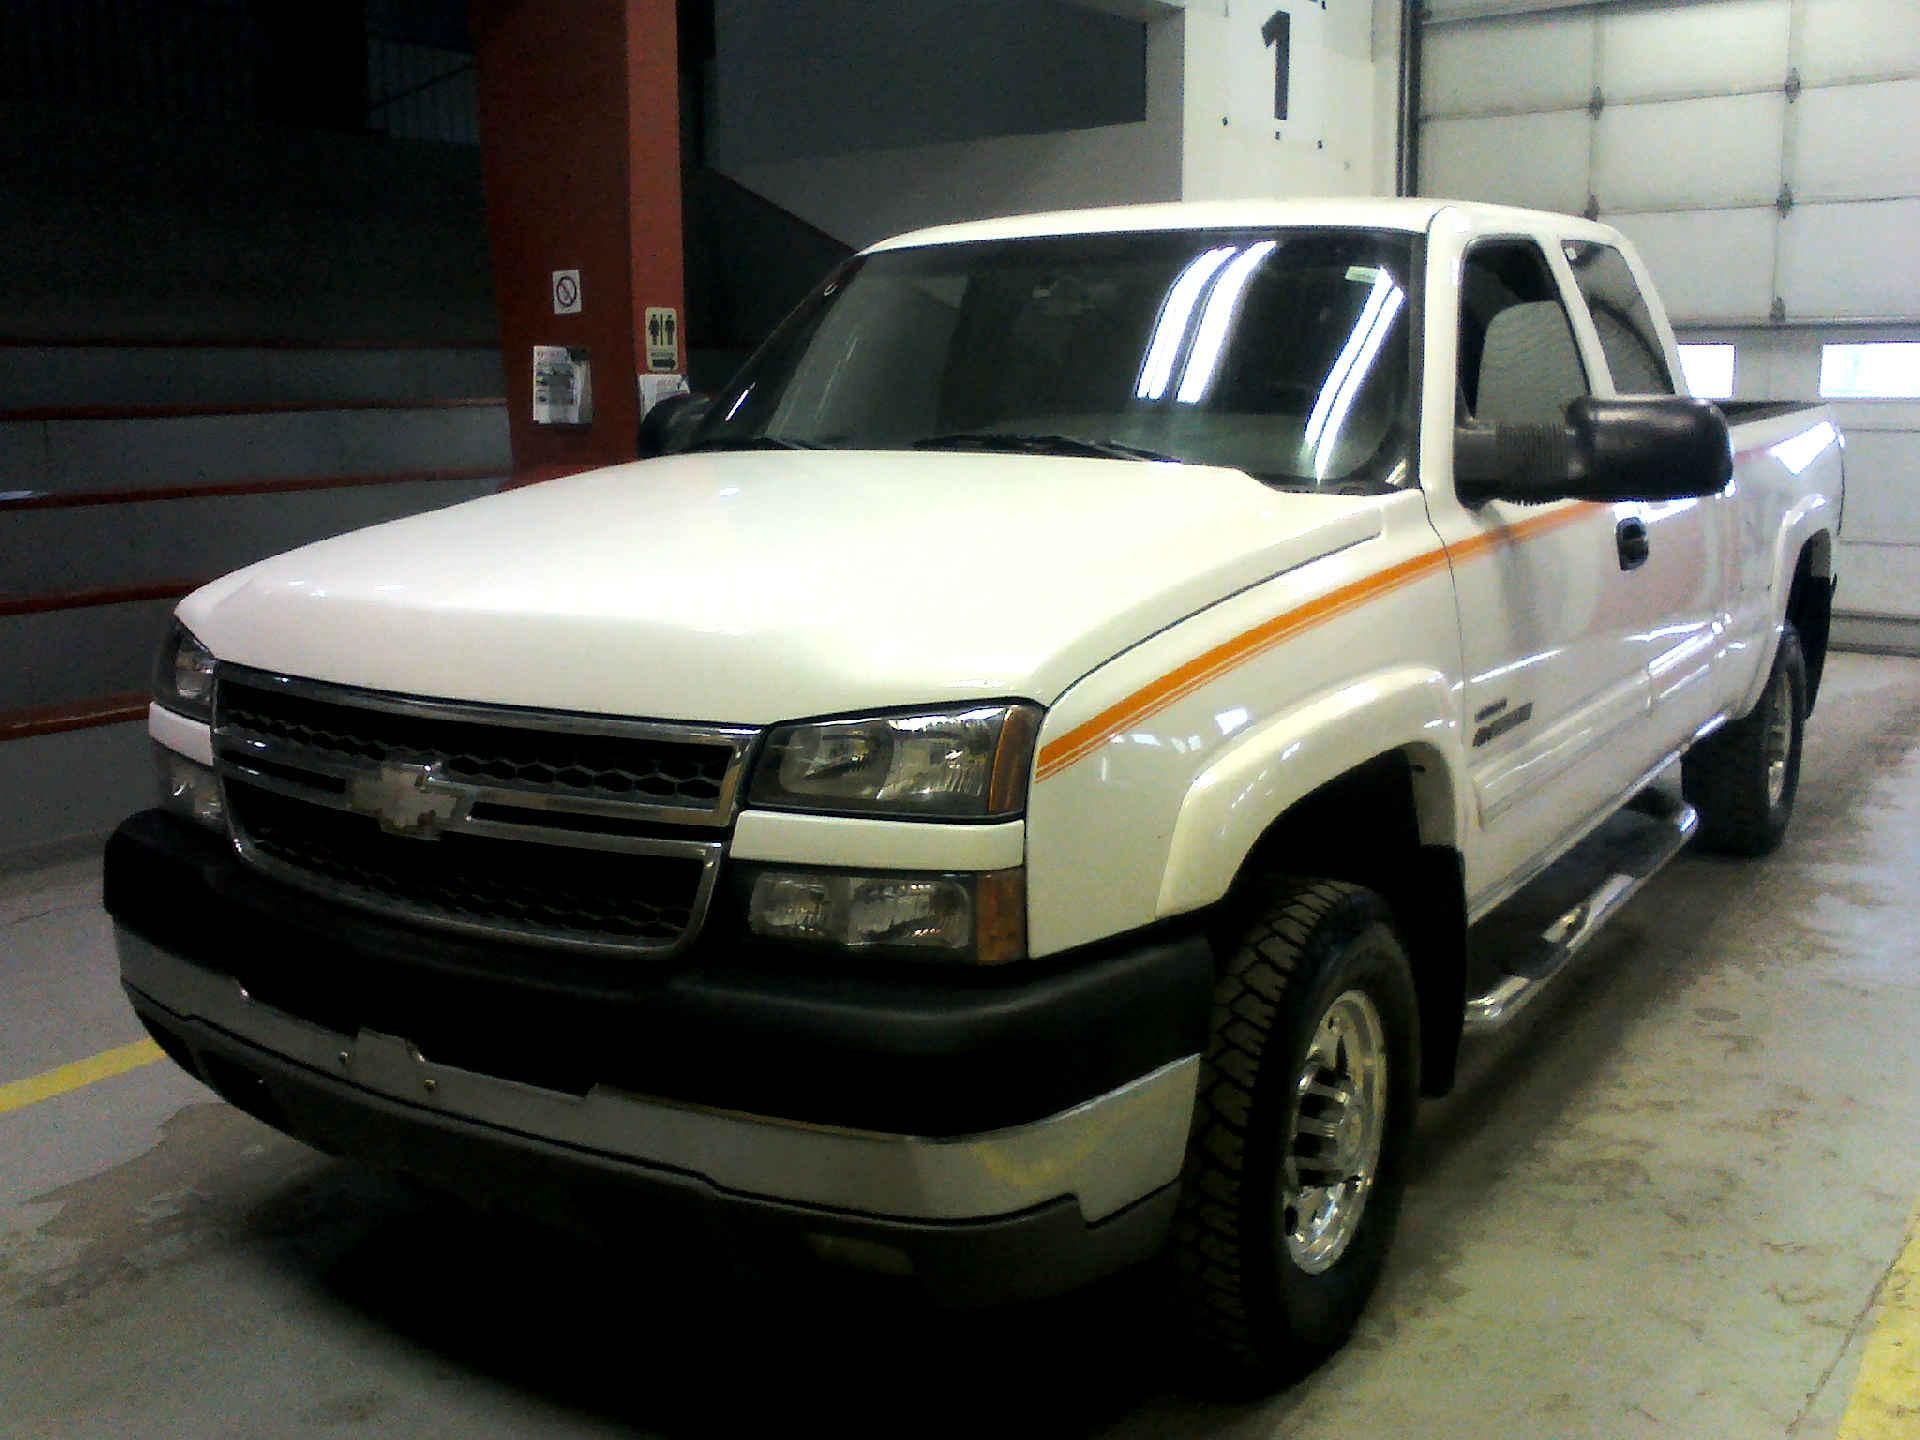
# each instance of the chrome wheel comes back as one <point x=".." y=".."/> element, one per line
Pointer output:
<point x="1779" y="741"/>
<point x="1332" y="1155"/>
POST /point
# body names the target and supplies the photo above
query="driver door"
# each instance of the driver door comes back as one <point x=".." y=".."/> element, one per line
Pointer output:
<point x="1555" y="680"/>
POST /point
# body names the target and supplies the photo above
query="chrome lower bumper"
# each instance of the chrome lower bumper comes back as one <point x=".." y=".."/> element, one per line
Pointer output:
<point x="1106" y="1154"/>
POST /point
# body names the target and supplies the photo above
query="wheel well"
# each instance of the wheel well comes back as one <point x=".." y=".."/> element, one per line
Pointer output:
<point x="1810" y="607"/>
<point x="1386" y="824"/>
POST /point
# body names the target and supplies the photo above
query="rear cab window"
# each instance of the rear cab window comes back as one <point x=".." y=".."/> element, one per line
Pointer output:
<point x="1628" y="337"/>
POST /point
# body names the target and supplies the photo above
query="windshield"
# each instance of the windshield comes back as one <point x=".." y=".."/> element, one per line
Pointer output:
<point x="1282" y="353"/>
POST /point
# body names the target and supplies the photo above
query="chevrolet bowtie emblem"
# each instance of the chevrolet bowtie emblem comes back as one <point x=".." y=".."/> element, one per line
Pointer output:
<point x="408" y="800"/>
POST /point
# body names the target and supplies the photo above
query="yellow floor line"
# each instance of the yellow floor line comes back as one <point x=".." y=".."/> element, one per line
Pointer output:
<point x="35" y="1088"/>
<point x="1885" y="1404"/>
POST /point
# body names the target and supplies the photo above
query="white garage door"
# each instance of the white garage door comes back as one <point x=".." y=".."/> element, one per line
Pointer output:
<point x="1764" y="155"/>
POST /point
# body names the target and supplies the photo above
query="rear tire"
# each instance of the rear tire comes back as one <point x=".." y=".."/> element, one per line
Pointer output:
<point x="1295" y="1163"/>
<point x="1743" y="778"/>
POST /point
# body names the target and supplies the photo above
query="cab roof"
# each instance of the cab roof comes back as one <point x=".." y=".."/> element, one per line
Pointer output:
<point x="1413" y="215"/>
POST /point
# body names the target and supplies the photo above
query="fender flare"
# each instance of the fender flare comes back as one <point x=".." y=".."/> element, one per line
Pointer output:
<point x="1802" y="525"/>
<point x="1234" y="802"/>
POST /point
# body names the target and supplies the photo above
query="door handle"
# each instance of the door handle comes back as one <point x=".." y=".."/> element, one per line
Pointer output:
<point x="1631" y="537"/>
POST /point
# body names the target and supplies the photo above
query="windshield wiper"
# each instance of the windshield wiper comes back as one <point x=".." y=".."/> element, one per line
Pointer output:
<point x="1038" y="444"/>
<point x="751" y="442"/>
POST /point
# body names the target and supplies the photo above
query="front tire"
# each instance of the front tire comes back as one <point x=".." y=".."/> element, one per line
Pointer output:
<point x="1743" y="779"/>
<point x="1295" y="1164"/>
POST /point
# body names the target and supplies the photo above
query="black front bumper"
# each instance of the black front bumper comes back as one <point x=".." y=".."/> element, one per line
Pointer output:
<point x="920" y="1052"/>
<point x="1042" y="1250"/>
<point x="734" y="1092"/>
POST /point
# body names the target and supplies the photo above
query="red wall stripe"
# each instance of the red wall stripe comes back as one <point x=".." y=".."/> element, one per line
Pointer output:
<point x="38" y="413"/>
<point x="51" y="600"/>
<point x="72" y="715"/>
<point x="215" y="342"/>
<point x="52" y="500"/>
<point x="535" y="474"/>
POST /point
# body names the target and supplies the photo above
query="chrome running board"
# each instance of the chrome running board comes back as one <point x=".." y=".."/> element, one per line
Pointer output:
<point x="1532" y="937"/>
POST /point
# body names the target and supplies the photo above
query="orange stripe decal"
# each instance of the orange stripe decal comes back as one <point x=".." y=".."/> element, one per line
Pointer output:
<point x="1081" y="741"/>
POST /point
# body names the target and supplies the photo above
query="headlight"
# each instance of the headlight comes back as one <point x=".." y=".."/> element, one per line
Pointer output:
<point x="971" y="763"/>
<point x="183" y="675"/>
<point x="189" y="789"/>
<point x="977" y="919"/>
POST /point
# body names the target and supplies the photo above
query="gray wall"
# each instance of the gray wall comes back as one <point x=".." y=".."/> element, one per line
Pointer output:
<point x="801" y="78"/>
<point x="362" y="264"/>
<point x="112" y="226"/>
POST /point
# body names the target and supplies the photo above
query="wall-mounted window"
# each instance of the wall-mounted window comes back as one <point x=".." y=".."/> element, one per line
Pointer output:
<point x="1884" y="371"/>
<point x="1709" y="370"/>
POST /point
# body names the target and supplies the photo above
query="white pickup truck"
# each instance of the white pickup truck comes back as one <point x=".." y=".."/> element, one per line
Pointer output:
<point x="1043" y="776"/>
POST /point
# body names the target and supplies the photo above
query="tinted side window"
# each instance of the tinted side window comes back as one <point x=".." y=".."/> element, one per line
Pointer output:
<point x="1621" y="316"/>
<point x="1518" y="361"/>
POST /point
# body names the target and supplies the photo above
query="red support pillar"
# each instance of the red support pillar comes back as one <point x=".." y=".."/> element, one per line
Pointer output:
<point x="580" y="146"/>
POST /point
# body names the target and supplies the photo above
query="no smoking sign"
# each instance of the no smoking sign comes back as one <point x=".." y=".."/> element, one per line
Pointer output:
<point x="566" y="292"/>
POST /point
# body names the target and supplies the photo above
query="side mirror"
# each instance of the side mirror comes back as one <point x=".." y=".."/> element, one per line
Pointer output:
<point x="668" y="427"/>
<point x="1663" y="447"/>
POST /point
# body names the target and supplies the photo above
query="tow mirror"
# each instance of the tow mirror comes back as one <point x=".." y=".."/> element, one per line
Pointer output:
<point x="1662" y="447"/>
<point x="668" y="427"/>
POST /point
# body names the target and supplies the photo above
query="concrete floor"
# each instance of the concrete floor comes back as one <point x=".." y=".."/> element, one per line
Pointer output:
<point x="1660" y="1206"/>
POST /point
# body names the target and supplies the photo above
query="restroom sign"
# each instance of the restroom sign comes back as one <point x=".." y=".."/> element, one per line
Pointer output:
<point x="566" y="292"/>
<point x="663" y="339"/>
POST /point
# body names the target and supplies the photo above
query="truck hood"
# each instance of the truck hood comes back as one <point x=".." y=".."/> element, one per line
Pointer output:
<point x="753" y="587"/>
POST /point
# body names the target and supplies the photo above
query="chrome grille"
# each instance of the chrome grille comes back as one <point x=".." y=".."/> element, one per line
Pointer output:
<point x="545" y="889"/>
<point x="656" y="770"/>
<point x="580" y="831"/>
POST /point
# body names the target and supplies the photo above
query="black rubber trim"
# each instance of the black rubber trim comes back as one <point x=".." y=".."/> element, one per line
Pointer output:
<point x="1043" y="1251"/>
<point x="1745" y="412"/>
<point x="923" y="1050"/>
